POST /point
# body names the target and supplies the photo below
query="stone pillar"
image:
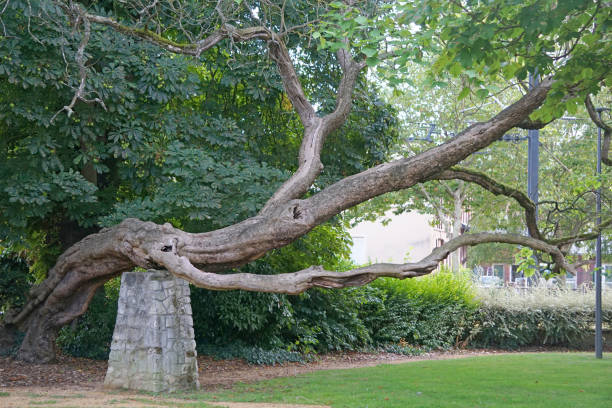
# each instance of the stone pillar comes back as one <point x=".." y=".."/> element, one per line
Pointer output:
<point x="153" y="346"/>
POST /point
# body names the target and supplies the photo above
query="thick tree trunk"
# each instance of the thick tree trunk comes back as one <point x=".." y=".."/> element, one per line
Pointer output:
<point x="457" y="223"/>
<point x="42" y="326"/>
<point x="38" y="345"/>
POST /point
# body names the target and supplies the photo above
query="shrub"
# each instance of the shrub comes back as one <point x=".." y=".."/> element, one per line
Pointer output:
<point x="317" y="320"/>
<point x="15" y="280"/>
<point x="253" y="355"/>
<point x="538" y="317"/>
<point x="91" y="334"/>
<point x="326" y="320"/>
<point x="433" y="311"/>
<point x="253" y="319"/>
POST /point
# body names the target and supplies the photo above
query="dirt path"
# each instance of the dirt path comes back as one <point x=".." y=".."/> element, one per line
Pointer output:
<point x="82" y="373"/>
<point x="64" y="398"/>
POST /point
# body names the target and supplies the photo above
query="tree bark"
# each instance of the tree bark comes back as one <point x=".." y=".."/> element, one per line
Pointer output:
<point x="457" y="218"/>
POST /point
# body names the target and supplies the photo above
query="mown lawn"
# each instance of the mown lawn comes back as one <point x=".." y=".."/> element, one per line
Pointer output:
<point x="550" y="380"/>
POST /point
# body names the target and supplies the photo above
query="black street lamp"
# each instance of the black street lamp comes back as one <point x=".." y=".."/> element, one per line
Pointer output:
<point x="598" y="331"/>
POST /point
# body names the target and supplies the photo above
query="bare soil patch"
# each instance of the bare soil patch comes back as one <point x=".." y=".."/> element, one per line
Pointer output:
<point x="87" y="374"/>
<point x="73" y="398"/>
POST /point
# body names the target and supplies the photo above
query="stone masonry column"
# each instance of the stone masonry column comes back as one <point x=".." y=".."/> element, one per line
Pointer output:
<point x="153" y="346"/>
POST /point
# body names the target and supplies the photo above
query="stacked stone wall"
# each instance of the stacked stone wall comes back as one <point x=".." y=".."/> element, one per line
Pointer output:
<point x="153" y="347"/>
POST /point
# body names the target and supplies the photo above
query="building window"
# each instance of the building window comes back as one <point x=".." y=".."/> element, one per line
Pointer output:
<point x="498" y="270"/>
<point x="514" y="273"/>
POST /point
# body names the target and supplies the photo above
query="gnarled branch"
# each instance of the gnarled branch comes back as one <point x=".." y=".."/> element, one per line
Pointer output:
<point x="79" y="19"/>
<point x="496" y="188"/>
<point x="314" y="135"/>
<point x="583" y="236"/>
<point x="226" y="31"/>
<point x="316" y="276"/>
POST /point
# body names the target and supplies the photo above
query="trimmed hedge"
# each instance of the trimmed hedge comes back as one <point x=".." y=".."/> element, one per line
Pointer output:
<point x="539" y="317"/>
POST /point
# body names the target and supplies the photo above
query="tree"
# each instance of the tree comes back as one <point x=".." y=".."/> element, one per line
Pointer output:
<point x="488" y="41"/>
<point x="567" y="160"/>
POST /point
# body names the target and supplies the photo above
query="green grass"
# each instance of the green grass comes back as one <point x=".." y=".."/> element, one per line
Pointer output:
<point x="549" y="380"/>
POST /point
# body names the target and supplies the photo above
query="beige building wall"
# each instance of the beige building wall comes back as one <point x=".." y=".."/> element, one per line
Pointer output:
<point x="407" y="238"/>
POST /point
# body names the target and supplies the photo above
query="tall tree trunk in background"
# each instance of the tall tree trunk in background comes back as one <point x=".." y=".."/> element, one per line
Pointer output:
<point x="458" y="198"/>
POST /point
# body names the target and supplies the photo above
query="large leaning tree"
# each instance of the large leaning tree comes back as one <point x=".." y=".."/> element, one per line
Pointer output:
<point x="566" y="44"/>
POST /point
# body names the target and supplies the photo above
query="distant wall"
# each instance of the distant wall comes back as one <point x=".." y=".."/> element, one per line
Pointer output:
<point x="408" y="237"/>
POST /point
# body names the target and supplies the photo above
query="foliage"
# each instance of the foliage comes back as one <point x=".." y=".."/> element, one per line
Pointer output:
<point x="327" y="320"/>
<point x="402" y="349"/>
<point x="539" y="317"/>
<point x="90" y="335"/>
<point x="14" y="280"/>
<point x="524" y="259"/>
<point x="432" y="311"/>
<point x="252" y="354"/>
<point x="318" y="320"/>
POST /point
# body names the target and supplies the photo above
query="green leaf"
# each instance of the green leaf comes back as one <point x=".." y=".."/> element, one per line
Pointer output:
<point x="361" y="20"/>
<point x="464" y="92"/>
<point x="482" y="93"/>
<point x="369" y="52"/>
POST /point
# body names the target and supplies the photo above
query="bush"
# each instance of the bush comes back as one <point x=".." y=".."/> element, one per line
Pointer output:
<point x="15" y="280"/>
<point x="317" y="320"/>
<point x="249" y="318"/>
<point x="539" y="317"/>
<point x="253" y="355"/>
<point x="327" y="320"/>
<point x="91" y="334"/>
<point x="433" y="311"/>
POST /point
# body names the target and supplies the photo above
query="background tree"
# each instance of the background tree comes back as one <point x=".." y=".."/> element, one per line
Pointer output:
<point x="490" y="41"/>
<point x="432" y="111"/>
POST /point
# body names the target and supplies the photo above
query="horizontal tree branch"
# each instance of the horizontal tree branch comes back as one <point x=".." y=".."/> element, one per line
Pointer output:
<point x="584" y="236"/>
<point x="226" y="31"/>
<point x="317" y="276"/>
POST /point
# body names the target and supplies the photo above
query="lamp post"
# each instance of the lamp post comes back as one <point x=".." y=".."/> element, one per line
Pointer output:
<point x="598" y="332"/>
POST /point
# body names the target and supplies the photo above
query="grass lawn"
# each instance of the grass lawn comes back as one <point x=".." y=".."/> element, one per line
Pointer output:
<point x="551" y="380"/>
